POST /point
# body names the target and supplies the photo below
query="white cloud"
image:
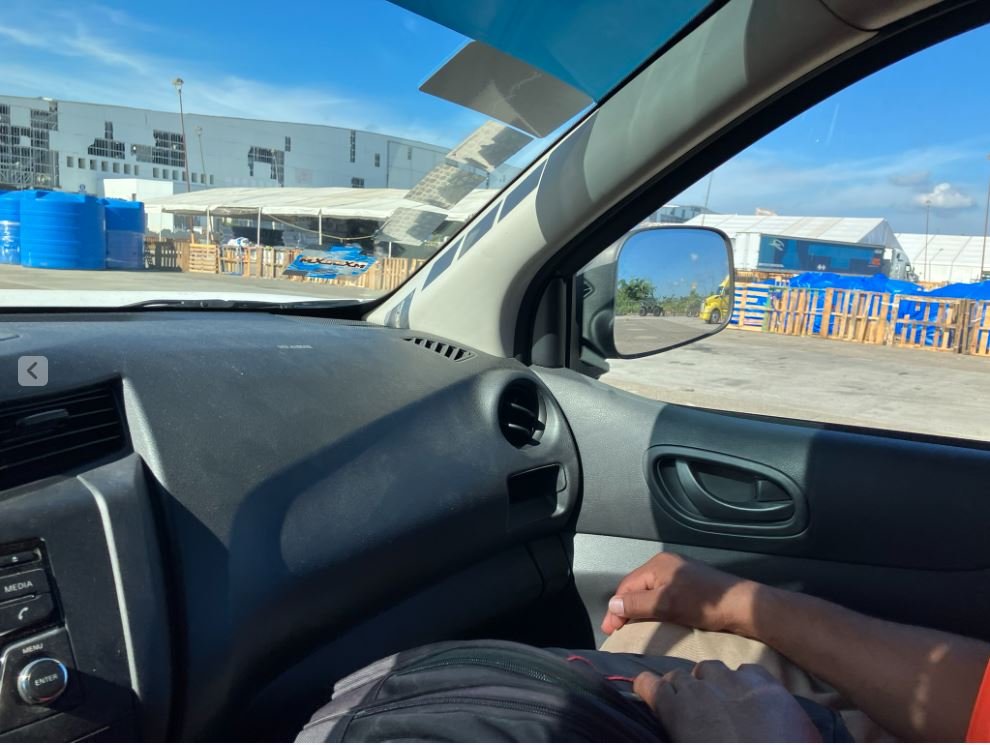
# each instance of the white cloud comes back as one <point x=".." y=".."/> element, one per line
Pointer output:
<point x="24" y="38"/>
<point x="793" y="184"/>
<point x="945" y="196"/>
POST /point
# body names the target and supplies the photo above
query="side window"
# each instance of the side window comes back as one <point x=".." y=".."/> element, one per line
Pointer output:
<point x="862" y="275"/>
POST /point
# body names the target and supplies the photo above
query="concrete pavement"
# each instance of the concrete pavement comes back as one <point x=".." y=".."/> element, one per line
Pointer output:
<point x="18" y="281"/>
<point x="911" y="390"/>
<point x="638" y="334"/>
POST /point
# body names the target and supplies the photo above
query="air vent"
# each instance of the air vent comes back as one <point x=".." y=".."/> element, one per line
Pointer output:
<point x="521" y="414"/>
<point x="452" y="353"/>
<point x="47" y="436"/>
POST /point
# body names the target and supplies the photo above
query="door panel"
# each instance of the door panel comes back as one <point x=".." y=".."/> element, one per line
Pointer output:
<point x="891" y="526"/>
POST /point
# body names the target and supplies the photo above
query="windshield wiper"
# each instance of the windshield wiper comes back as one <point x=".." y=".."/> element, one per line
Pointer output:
<point x="222" y="304"/>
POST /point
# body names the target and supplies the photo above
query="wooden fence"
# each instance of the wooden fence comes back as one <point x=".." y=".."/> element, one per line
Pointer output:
<point x="941" y="324"/>
<point x="265" y="262"/>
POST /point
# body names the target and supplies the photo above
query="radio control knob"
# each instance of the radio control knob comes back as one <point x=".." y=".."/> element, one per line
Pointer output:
<point x="42" y="681"/>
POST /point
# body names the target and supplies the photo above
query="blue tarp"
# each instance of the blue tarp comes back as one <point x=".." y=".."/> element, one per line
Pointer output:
<point x="974" y="291"/>
<point x="910" y="312"/>
<point x="875" y="283"/>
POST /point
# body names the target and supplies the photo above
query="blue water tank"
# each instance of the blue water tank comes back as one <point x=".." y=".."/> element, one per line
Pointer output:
<point x="63" y="231"/>
<point x="10" y="228"/>
<point x="125" y="234"/>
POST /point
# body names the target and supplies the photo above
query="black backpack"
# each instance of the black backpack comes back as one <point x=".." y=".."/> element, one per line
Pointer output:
<point x="497" y="691"/>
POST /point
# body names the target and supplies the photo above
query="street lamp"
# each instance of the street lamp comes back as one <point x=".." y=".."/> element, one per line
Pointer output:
<point x="924" y="260"/>
<point x="202" y="158"/>
<point x="202" y="176"/>
<point x="182" y="124"/>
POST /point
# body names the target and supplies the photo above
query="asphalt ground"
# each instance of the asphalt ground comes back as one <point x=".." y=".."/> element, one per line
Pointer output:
<point x="911" y="390"/>
<point x="637" y="334"/>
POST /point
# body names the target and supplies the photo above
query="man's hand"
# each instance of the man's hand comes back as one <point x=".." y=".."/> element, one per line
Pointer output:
<point x="670" y="588"/>
<point x="715" y="704"/>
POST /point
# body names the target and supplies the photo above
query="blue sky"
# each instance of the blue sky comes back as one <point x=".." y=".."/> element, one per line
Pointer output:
<point x="918" y="129"/>
<point x="675" y="260"/>
<point x="355" y="64"/>
<point x="914" y="131"/>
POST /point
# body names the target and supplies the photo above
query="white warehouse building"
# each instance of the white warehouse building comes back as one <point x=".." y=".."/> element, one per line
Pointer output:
<point x="778" y="243"/>
<point x="70" y="146"/>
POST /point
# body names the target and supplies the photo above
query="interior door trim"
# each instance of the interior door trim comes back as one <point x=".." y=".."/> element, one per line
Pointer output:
<point x="677" y="490"/>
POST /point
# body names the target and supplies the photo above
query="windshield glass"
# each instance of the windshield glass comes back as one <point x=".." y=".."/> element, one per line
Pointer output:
<point x="286" y="153"/>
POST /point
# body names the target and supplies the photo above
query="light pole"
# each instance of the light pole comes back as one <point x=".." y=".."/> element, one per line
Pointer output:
<point x="986" y="219"/>
<point x="202" y="158"/>
<point x="924" y="260"/>
<point x="182" y="124"/>
<point x="708" y="193"/>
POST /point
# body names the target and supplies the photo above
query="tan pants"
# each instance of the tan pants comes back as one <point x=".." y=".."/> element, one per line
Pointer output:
<point x="671" y="640"/>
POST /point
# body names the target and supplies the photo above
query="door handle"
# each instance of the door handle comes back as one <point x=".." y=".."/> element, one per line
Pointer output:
<point x="717" y="493"/>
<point x="710" y="506"/>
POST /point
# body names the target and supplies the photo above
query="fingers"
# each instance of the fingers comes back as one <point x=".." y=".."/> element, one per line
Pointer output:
<point x="647" y="577"/>
<point x="612" y="623"/>
<point x="659" y="691"/>
<point x="714" y="670"/>
<point x="615" y="617"/>
<point x="647" y="687"/>
<point x="678" y="679"/>
<point x="645" y="604"/>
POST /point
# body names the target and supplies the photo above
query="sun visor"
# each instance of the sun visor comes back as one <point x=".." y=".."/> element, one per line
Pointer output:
<point x="496" y="84"/>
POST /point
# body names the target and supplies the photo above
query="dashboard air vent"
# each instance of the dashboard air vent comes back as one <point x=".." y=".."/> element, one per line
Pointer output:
<point x="452" y="353"/>
<point x="46" y="436"/>
<point x="521" y="414"/>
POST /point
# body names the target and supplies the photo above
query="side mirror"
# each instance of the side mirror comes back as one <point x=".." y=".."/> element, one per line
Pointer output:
<point x="656" y="289"/>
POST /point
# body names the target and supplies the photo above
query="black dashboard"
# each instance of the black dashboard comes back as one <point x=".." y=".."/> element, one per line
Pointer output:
<point x="211" y="516"/>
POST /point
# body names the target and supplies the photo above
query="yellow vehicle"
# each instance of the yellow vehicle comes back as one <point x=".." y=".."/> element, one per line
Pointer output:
<point x="717" y="307"/>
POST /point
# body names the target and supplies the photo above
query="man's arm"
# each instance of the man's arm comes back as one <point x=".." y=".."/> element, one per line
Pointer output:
<point x="916" y="683"/>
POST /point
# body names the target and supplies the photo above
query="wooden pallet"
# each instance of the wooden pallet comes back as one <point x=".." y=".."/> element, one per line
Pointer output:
<point x="867" y="317"/>
<point x="978" y="328"/>
<point x="751" y="304"/>
<point x="202" y="258"/>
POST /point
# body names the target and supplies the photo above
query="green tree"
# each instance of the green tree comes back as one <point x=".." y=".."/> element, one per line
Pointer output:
<point x="630" y="292"/>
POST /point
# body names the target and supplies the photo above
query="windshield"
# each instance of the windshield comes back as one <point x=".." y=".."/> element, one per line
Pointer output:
<point x="298" y="152"/>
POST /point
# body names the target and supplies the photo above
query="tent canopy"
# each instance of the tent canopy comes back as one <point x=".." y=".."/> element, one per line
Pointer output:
<point x="948" y="258"/>
<point x="871" y="230"/>
<point x="332" y="201"/>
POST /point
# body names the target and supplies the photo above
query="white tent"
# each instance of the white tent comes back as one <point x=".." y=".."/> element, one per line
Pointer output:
<point x="745" y="230"/>
<point x="949" y="258"/>
<point x="331" y="202"/>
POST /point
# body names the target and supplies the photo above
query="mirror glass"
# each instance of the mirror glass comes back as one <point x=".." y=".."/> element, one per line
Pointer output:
<point x="673" y="285"/>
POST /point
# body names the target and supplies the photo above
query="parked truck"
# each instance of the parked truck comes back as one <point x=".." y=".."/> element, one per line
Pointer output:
<point x="717" y="307"/>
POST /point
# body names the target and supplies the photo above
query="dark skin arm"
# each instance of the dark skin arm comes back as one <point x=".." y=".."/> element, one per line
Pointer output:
<point x="919" y="684"/>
